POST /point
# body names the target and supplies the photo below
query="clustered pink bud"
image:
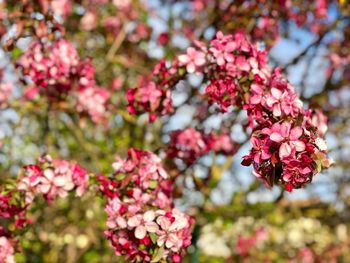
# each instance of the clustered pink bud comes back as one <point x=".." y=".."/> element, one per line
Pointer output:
<point x="142" y="223"/>
<point x="285" y="135"/>
<point x="52" y="179"/>
<point x="189" y="145"/>
<point x="12" y="211"/>
<point x="58" y="72"/>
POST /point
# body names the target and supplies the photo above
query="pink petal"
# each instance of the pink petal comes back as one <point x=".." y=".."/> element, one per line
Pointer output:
<point x="199" y="61"/>
<point x="121" y="222"/>
<point x="256" y="88"/>
<point x="49" y="174"/>
<point x="277" y="110"/>
<point x="299" y="145"/>
<point x="60" y="181"/>
<point x="276" y="93"/>
<point x="134" y="221"/>
<point x="152" y="227"/>
<point x="220" y="60"/>
<point x="163" y="222"/>
<point x="140" y="232"/>
<point x="265" y="155"/>
<point x="285" y="129"/>
<point x="173" y="241"/>
<point x="257" y="158"/>
<point x="295" y="133"/>
<point x="276" y="137"/>
<point x="161" y="240"/>
<point x="111" y="224"/>
<point x="184" y="59"/>
<point x="180" y="223"/>
<point x="270" y="101"/>
<point x="285" y="150"/>
<point x="256" y="99"/>
<point x="149" y="216"/>
<point x="191" y="68"/>
<point x="44" y="188"/>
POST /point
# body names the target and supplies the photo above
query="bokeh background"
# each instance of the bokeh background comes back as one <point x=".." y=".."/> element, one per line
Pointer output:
<point x="237" y="218"/>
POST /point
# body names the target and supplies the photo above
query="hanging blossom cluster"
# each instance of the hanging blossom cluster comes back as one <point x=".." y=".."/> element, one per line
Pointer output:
<point x="287" y="146"/>
<point x="52" y="179"/>
<point x="189" y="145"/>
<point x="143" y="224"/>
<point x="49" y="178"/>
<point x="57" y="71"/>
<point x="154" y="96"/>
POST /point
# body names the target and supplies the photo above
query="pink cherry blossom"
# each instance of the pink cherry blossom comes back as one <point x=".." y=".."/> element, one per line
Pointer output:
<point x="62" y="7"/>
<point x="260" y="149"/>
<point x="53" y="178"/>
<point x="283" y="102"/>
<point x="139" y="207"/>
<point x="143" y="224"/>
<point x="187" y="145"/>
<point x="89" y="21"/>
<point x="93" y="101"/>
<point x="239" y="77"/>
<point x="193" y="60"/>
<point x="113" y="210"/>
<point x="288" y="137"/>
<point x="173" y="232"/>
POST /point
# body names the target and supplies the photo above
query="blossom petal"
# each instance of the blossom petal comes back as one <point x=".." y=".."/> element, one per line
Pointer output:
<point x="299" y="145"/>
<point x="276" y="137"/>
<point x="149" y="216"/>
<point x="295" y="133"/>
<point x="140" y="232"/>
<point x="285" y="150"/>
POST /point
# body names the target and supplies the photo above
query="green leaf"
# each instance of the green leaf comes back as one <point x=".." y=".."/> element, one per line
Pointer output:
<point x="153" y="237"/>
<point x="16" y="52"/>
<point x="158" y="255"/>
<point x="153" y="184"/>
<point x="120" y="176"/>
<point x="319" y="166"/>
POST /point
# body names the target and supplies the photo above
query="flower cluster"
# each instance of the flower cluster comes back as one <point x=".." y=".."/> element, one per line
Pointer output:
<point x="52" y="179"/>
<point x="13" y="219"/>
<point x="154" y="96"/>
<point x="5" y="93"/>
<point x="246" y="243"/>
<point x="189" y="145"/>
<point x="6" y="250"/>
<point x="12" y="212"/>
<point x="287" y="146"/>
<point x="92" y="100"/>
<point x="142" y="223"/>
<point x="58" y="72"/>
<point x="285" y="143"/>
